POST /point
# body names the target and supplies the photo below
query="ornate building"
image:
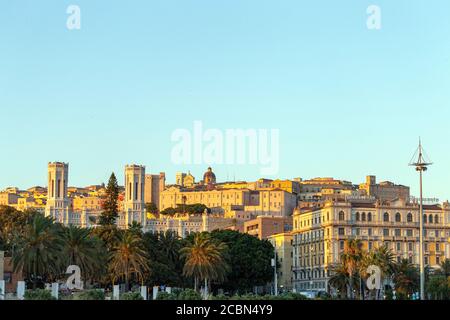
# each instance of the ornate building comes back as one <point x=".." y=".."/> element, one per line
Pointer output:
<point x="57" y="201"/>
<point x="319" y="235"/>
<point x="134" y="205"/>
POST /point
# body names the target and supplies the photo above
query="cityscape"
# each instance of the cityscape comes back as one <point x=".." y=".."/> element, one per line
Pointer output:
<point x="222" y="159"/>
<point x="312" y="224"/>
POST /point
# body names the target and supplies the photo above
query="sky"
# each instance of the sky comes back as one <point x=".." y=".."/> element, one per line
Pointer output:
<point x="347" y="101"/>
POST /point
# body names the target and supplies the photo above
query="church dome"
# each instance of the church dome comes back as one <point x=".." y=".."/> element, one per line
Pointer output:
<point x="209" y="177"/>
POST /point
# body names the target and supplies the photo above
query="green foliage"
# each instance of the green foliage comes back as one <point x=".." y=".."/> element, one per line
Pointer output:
<point x="131" y="296"/>
<point x="166" y="296"/>
<point x="150" y="207"/>
<point x="38" y="250"/>
<point x="220" y="297"/>
<point x="250" y="259"/>
<point x="438" y="287"/>
<point x="110" y="203"/>
<point x="166" y="266"/>
<point x="196" y="208"/>
<point x="89" y="295"/>
<point x="38" y="294"/>
<point x="189" y="294"/>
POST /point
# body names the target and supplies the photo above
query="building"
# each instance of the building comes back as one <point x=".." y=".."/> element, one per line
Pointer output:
<point x="282" y="242"/>
<point x="8" y="275"/>
<point x="264" y="226"/>
<point x="134" y="205"/>
<point x="8" y="199"/>
<point x="154" y="185"/>
<point x="385" y="191"/>
<point x="313" y="191"/>
<point x="320" y="234"/>
<point x="184" y="225"/>
<point x="57" y="201"/>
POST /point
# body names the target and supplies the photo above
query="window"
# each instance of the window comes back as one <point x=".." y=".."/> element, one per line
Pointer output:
<point x="341" y="231"/>
<point x="363" y="216"/>
<point x="369" y="216"/>
<point x="386" y="217"/>
<point x="409" y="233"/>
<point x="426" y="260"/>
<point x="385" y="232"/>
<point x="357" y="216"/>
<point x="409" y="217"/>
<point x="399" y="246"/>
<point x="369" y="231"/>
<point x="398" y="232"/>
<point x="398" y="217"/>
<point x="341" y="245"/>
<point x="341" y="216"/>
<point x="410" y="246"/>
<point x="430" y="218"/>
<point x="438" y="260"/>
<point x="436" y="219"/>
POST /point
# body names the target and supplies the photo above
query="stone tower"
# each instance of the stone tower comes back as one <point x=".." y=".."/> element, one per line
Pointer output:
<point x="134" y="205"/>
<point x="57" y="201"/>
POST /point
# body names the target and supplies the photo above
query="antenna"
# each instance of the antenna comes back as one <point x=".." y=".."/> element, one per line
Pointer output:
<point x="420" y="159"/>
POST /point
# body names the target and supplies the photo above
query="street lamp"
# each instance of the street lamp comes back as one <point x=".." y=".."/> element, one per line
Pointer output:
<point x="418" y="161"/>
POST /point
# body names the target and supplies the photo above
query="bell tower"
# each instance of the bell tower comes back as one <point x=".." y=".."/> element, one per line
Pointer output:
<point x="57" y="205"/>
<point x="134" y="204"/>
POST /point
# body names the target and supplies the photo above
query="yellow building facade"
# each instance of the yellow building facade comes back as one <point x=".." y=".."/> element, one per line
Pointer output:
<point x="319" y="236"/>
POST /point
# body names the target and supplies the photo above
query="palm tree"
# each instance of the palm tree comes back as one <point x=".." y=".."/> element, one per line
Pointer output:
<point x="351" y="259"/>
<point x="381" y="257"/>
<point x="37" y="251"/>
<point x="406" y="279"/>
<point x="83" y="249"/>
<point x="444" y="268"/>
<point x="205" y="260"/>
<point x="128" y="258"/>
<point x="340" y="279"/>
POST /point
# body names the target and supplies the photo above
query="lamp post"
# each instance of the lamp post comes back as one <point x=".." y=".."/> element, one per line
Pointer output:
<point x="421" y="165"/>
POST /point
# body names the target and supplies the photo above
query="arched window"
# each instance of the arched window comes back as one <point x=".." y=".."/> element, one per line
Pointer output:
<point x="398" y="217"/>
<point x="409" y="217"/>
<point x="430" y="218"/>
<point x="436" y="219"/>
<point x="357" y="216"/>
<point x="386" y="217"/>
<point x="363" y="216"/>
<point x="369" y="216"/>
<point x="341" y="216"/>
<point x="424" y="218"/>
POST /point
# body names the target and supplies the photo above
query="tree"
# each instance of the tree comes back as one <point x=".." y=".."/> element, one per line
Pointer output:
<point x="351" y="260"/>
<point x="444" y="268"/>
<point x="250" y="259"/>
<point x="85" y="250"/>
<point x="110" y="203"/>
<point x="438" y="287"/>
<point x="37" y="252"/>
<point x="165" y="262"/>
<point x="150" y="207"/>
<point x="12" y="225"/>
<point x="204" y="259"/>
<point x="406" y="279"/>
<point x="128" y="258"/>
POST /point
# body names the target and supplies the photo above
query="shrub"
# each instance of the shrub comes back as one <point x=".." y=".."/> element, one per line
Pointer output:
<point x="189" y="294"/>
<point x="166" y="296"/>
<point x="38" y="294"/>
<point x="90" y="295"/>
<point x="220" y="297"/>
<point x="131" y="296"/>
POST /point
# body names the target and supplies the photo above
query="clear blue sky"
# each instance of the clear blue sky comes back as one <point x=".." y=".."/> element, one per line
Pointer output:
<point x="348" y="101"/>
